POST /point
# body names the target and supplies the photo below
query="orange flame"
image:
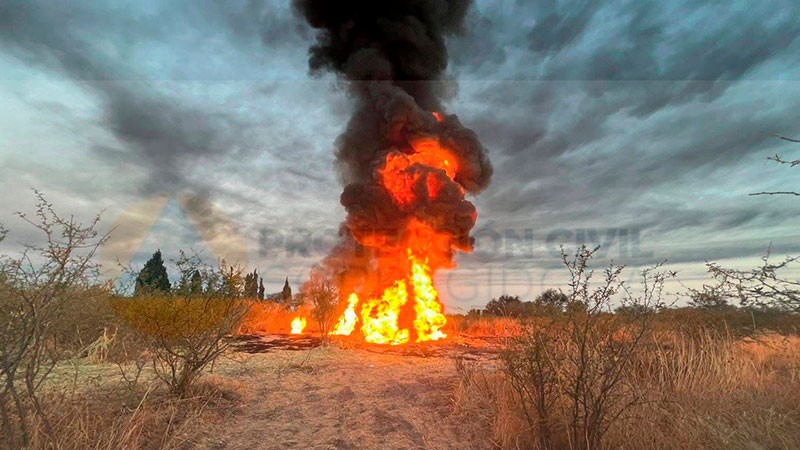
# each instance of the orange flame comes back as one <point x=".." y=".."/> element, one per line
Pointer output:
<point x="399" y="178"/>
<point x="347" y="323"/>
<point x="389" y="317"/>
<point x="298" y="324"/>
<point x="379" y="317"/>
<point x="429" y="151"/>
<point x="429" y="319"/>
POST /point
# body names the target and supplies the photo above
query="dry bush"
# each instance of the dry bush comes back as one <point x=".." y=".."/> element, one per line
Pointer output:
<point x="570" y="372"/>
<point x="565" y="380"/>
<point x="186" y="331"/>
<point x="84" y="318"/>
<point x="324" y="297"/>
<point x="767" y="285"/>
<point x="705" y="390"/>
<point x="714" y="392"/>
<point x="36" y="289"/>
<point x="183" y="335"/>
<point x="56" y="316"/>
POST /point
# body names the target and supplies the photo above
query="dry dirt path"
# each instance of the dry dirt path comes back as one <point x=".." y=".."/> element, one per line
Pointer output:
<point x="342" y="399"/>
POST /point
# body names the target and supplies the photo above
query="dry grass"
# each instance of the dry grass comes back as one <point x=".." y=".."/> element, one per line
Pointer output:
<point x="111" y="417"/>
<point x="710" y="391"/>
<point x="484" y="326"/>
<point x="485" y="400"/>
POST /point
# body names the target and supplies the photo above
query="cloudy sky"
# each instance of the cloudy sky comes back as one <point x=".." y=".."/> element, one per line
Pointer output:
<point x="641" y="126"/>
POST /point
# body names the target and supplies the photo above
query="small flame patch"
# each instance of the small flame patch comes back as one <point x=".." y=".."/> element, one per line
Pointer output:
<point x="298" y="325"/>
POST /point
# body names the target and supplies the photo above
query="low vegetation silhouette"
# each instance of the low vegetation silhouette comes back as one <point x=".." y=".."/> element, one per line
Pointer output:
<point x="596" y="364"/>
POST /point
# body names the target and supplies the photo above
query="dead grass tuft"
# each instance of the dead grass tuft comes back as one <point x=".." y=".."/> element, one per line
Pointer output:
<point x="113" y="418"/>
<point x="708" y="391"/>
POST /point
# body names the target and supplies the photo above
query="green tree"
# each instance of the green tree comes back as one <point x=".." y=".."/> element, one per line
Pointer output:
<point x="153" y="276"/>
<point x="196" y="284"/>
<point x="261" y="289"/>
<point x="232" y="283"/>
<point x="707" y="299"/>
<point x="191" y="284"/>
<point x="286" y="293"/>
<point x="505" y="305"/>
<point x="251" y="285"/>
<point x="550" y="302"/>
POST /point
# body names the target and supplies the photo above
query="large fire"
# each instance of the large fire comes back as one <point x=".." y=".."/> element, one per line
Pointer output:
<point x="380" y="316"/>
<point x="406" y="166"/>
<point x="409" y="307"/>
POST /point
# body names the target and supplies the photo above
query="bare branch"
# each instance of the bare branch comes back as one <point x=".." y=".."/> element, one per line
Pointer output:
<point x="786" y="138"/>
<point x="776" y="193"/>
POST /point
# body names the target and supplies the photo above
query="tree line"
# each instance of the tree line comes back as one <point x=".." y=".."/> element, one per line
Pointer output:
<point x="710" y="299"/>
<point x="197" y="280"/>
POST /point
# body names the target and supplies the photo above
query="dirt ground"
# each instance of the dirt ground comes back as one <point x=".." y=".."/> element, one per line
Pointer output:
<point x="296" y="395"/>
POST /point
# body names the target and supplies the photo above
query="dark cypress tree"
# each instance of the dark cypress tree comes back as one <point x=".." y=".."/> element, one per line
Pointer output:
<point x="196" y="284"/>
<point x="286" y="294"/>
<point x="251" y="285"/>
<point x="153" y="277"/>
<point x="261" y="289"/>
<point x="231" y="285"/>
<point x="183" y="285"/>
<point x="248" y="280"/>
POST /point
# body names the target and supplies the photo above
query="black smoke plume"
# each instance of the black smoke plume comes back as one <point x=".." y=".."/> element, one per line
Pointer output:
<point x="393" y="55"/>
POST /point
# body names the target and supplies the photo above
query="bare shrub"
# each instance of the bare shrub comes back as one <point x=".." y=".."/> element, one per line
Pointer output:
<point x="570" y="372"/>
<point x="705" y="391"/>
<point x="324" y="296"/>
<point x="34" y="289"/>
<point x="641" y="383"/>
<point x="766" y="286"/>
<point x="185" y="335"/>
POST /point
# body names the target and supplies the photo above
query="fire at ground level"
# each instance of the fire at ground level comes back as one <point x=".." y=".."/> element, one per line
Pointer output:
<point x="409" y="310"/>
<point x="467" y="347"/>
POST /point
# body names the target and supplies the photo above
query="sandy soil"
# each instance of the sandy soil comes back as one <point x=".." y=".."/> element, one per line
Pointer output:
<point x="334" y="398"/>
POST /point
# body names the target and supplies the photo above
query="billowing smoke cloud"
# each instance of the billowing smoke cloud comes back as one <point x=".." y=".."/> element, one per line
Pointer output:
<point x="404" y="162"/>
<point x="92" y="45"/>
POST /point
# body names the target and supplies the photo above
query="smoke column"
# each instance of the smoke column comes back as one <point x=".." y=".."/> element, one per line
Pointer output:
<point x="406" y="165"/>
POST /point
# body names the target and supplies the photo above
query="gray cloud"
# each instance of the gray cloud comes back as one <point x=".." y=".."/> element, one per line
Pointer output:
<point x="559" y="25"/>
<point x="650" y="115"/>
<point x="154" y="120"/>
<point x="607" y="109"/>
